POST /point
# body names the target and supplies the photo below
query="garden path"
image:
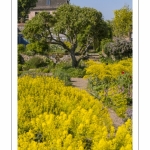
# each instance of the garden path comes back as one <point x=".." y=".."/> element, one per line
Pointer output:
<point x="81" y="83"/>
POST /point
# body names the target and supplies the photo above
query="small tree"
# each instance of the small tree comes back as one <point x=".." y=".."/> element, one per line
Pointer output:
<point x="79" y="26"/>
<point x="122" y="21"/>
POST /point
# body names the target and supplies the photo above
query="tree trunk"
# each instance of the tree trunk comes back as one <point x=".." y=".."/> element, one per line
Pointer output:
<point x="74" y="60"/>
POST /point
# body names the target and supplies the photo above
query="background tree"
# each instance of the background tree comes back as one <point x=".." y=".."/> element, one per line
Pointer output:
<point x="79" y="26"/>
<point x="24" y="8"/>
<point x="122" y="21"/>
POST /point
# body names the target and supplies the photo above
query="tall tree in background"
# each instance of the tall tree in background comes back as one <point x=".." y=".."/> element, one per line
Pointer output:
<point x="24" y="8"/>
<point x="80" y="27"/>
<point x="122" y="22"/>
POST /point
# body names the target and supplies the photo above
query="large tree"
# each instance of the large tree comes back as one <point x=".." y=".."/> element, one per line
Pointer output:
<point x="24" y="8"/>
<point x="80" y="27"/>
<point x="122" y="22"/>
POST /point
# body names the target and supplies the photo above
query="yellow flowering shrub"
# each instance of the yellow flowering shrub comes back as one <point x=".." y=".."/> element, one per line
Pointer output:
<point x="111" y="83"/>
<point x="110" y="71"/>
<point x="114" y="99"/>
<point x="53" y="116"/>
<point x="121" y="141"/>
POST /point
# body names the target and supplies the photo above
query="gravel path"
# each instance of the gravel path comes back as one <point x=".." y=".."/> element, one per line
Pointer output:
<point x="79" y="82"/>
<point x="117" y="121"/>
<point x="82" y="84"/>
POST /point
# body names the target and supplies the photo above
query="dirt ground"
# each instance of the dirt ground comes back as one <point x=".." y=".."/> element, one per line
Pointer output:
<point x="79" y="82"/>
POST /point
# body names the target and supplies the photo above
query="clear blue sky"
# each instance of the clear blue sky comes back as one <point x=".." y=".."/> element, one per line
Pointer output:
<point x="106" y="7"/>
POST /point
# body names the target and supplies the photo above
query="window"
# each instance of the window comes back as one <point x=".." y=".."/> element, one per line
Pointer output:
<point x="47" y="2"/>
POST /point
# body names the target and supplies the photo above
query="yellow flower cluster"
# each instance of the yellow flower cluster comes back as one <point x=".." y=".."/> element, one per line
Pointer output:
<point x="115" y="99"/>
<point x="110" y="71"/>
<point x="53" y="116"/>
<point x="108" y="75"/>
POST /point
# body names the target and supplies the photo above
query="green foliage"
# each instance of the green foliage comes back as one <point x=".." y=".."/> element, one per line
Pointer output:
<point x="20" y="67"/>
<point x="24" y="8"/>
<point x="30" y="53"/>
<point x="76" y="72"/>
<point x="79" y="26"/>
<point x="104" y="42"/>
<point x="83" y="23"/>
<point x="35" y="62"/>
<point x="122" y="21"/>
<point x="37" y="47"/>
<point x="38" y="29"/>
<point x="56" y="49"/>
<point x="109" y="29"/>
<point x="21" y="48"/>
<point x="72" y="72"/>
<point x="62" y="76"/>
<point x="20" y="59"/>
<point x="125" y="85"/>
<point x="111" y="83"/>
<point x="64" y="71"/>
<point x="46" y="70"/>
<point x="118" y="49"/>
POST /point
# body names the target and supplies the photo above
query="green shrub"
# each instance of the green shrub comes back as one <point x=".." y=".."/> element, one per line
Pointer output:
<point x="20" y="59"/>
<point x="37" y="47"/>
<point x="19" y="73"/>
<point x="20" y="67"/>
<point x="104" y="42"/>
<point x="35" y="62"/>
<point x="46" y="70"/>
<point x="76" y="72"/>
<point x="62" y="75"/>
<point x="21" y="48"/>
<point x="118" y="49"/>
<point x="30" y="53"/>
<point x="64" y="71"/>
<point x="72" y="72"/>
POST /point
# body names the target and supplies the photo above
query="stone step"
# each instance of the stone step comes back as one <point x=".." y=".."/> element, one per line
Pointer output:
<point x="93" y="54"/>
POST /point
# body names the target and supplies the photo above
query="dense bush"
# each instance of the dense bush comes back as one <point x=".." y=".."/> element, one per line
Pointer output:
<point x="118" y="49"/>
<point x="72" y="72"/>
<point x="37" y="47"/>
<point x="104" y="42"/>
<point x="62" y="75"/>
<point x="35" y="62"/>
<point x="20" y="67"/>
<point x="21" y="48"/>
<point x="65" y="72"/>
<point x="20" y="59"/>
<point x="111" y="83"/>
<point x="46" y="70"/>
<point x="53" y="116"/>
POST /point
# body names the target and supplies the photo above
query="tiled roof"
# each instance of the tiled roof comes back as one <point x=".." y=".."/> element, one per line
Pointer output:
<point x="41" y="4"/>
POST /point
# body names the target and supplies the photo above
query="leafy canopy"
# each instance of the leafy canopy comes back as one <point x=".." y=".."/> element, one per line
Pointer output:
<point x="78" y="26"/>
<point x="24" y="7"/>
<point x="122" y="21"/>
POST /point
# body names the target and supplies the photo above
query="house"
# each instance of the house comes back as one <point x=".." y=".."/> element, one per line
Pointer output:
<point x="43" y="5"/>
<point x="46" y="5"/>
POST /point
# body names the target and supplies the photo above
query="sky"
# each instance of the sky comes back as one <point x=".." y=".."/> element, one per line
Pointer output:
<point x="106" y="7"/>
